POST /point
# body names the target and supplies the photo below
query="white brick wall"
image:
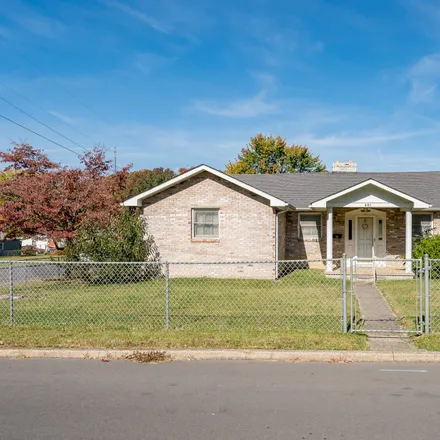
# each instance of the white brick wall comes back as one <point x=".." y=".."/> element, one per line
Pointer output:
<point x="247" y="223"/>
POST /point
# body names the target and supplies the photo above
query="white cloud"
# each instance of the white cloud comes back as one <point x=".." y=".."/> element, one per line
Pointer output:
<point x="41" y="26"/>
<point x="242" y="108"/>
<point x="424" y="76"/>
<point x="427" y="66"/>
<point x="65" y="118"/>
<point x="364" y="139"/>
<point x="138" y="15"/>
<point x="275" y="43"/>
<point x="267" y="81"/>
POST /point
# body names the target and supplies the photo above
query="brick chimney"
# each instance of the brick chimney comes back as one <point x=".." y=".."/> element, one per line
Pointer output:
<point x="344" y="167"/>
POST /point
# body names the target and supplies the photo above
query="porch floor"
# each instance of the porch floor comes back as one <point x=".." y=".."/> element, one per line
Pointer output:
<point x="378" y="273"/>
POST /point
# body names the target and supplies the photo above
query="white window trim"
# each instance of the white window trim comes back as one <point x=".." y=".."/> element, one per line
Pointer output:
<point x="422" y="213"/>
<point x="299" y="226"/>
<point x="204" y="237"/>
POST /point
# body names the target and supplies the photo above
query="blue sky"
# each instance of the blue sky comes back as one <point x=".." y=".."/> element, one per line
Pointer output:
<point x="176" y="83"/>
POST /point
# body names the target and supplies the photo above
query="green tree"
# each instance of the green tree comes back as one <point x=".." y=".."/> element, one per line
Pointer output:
<point x="125" y="239"/>
<point x="271" y="155"/>
<point x="143" y="180"/>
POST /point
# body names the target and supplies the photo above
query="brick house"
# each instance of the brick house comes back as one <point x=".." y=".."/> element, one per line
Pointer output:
<point x="206" y="215"/>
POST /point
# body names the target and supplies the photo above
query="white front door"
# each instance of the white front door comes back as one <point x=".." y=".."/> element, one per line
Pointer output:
<point x="365" y="237"/>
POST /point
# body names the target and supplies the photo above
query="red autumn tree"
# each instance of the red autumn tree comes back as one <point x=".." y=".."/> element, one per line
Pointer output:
<point x="44" y="198"/>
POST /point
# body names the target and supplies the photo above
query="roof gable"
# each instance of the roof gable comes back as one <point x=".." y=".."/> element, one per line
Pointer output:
<point x="373" y="199"/>
<point x="137" y="200"/>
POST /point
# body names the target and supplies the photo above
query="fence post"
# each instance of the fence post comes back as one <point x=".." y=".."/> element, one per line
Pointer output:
<point x="344" y="293"/>
<point x="352" y="287"/>
<point x="427" y="272"/>
<point x="11" y="294"/>
<point x="167" y="295"/>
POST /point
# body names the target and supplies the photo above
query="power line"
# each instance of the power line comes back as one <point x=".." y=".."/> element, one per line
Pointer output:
<point x="42" y="123"/>
<point x="47" y="112"/>
<point x="46" y="138"/>
<point x="40" y="135"/>
<point x="66" y="90"/>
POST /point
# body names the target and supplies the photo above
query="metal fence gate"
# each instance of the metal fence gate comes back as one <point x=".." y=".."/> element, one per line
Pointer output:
<point x="388" y="296"/>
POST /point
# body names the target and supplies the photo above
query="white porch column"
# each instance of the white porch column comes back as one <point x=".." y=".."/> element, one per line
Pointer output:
<point x="408" y="238"/>
<point x="329" y="255"/>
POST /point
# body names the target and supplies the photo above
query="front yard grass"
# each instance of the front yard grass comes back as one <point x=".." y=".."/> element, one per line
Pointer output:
<point x="301" y="311"/>
<point x="428" y="342"/>
<point x="304" y="300"/>
<point x="403" y="298"/>
<point x="37" y="337"/>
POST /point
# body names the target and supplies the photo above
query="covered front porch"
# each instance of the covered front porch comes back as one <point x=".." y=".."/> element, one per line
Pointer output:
<point x="374" y="225"/>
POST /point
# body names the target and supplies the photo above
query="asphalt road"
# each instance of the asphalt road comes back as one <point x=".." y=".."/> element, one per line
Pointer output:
<point x="29" y="272"/>
<point x="86" y="399"/>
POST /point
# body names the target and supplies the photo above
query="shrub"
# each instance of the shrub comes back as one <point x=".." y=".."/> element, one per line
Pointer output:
<point x="125" y="239"/>
<point x="27" y="251"/>
<point x="429" y="245"/>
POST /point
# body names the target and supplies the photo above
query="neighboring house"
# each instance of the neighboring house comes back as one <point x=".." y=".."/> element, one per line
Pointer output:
<point x="40" y="244"/>
<point x="206" y="215"/>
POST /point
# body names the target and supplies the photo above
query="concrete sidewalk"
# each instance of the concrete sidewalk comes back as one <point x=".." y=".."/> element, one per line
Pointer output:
<point x="377" y="315"/>
<point x="256" y="355"/>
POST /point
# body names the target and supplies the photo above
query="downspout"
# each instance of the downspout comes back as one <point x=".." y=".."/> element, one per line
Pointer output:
<point x="276" y="240"/>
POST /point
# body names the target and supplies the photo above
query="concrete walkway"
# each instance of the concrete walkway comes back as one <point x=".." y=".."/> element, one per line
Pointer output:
<point x="377" y="315"/>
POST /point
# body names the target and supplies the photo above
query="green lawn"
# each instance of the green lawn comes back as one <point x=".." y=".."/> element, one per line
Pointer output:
<point x="304" y="300"/>
<point x="403" y="298"/>
<point x="37" y="337"/>
<point x="435" y="304"/>
<point x="428" y="342"/>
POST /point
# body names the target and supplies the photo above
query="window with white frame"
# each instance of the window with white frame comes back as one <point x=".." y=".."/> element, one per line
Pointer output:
<point x="310" y="226"/>
<point x="205" y="223"/>
<point x="421" y="225"/>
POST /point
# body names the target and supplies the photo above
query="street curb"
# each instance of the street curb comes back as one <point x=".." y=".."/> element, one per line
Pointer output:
<point x="254" y="355"/>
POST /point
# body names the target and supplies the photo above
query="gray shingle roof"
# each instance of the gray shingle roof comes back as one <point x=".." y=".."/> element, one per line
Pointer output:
<point x="300" y="190"/>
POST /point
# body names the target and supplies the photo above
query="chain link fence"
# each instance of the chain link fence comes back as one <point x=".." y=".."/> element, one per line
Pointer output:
<point x="390" y="295"/>
<point x="434" y="295"/>
<point x="290" y="295"/>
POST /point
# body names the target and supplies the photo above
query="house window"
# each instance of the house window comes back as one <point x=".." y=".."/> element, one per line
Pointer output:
<point x="421" y="225"/>
<point x="205" y="223"/>
<point x="380" y="229"/>
<point x="309" y="226"/>
<point x="350" y="229"/>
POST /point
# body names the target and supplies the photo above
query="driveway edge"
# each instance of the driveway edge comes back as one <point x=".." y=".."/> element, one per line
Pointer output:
<point x="257" y="355"/>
